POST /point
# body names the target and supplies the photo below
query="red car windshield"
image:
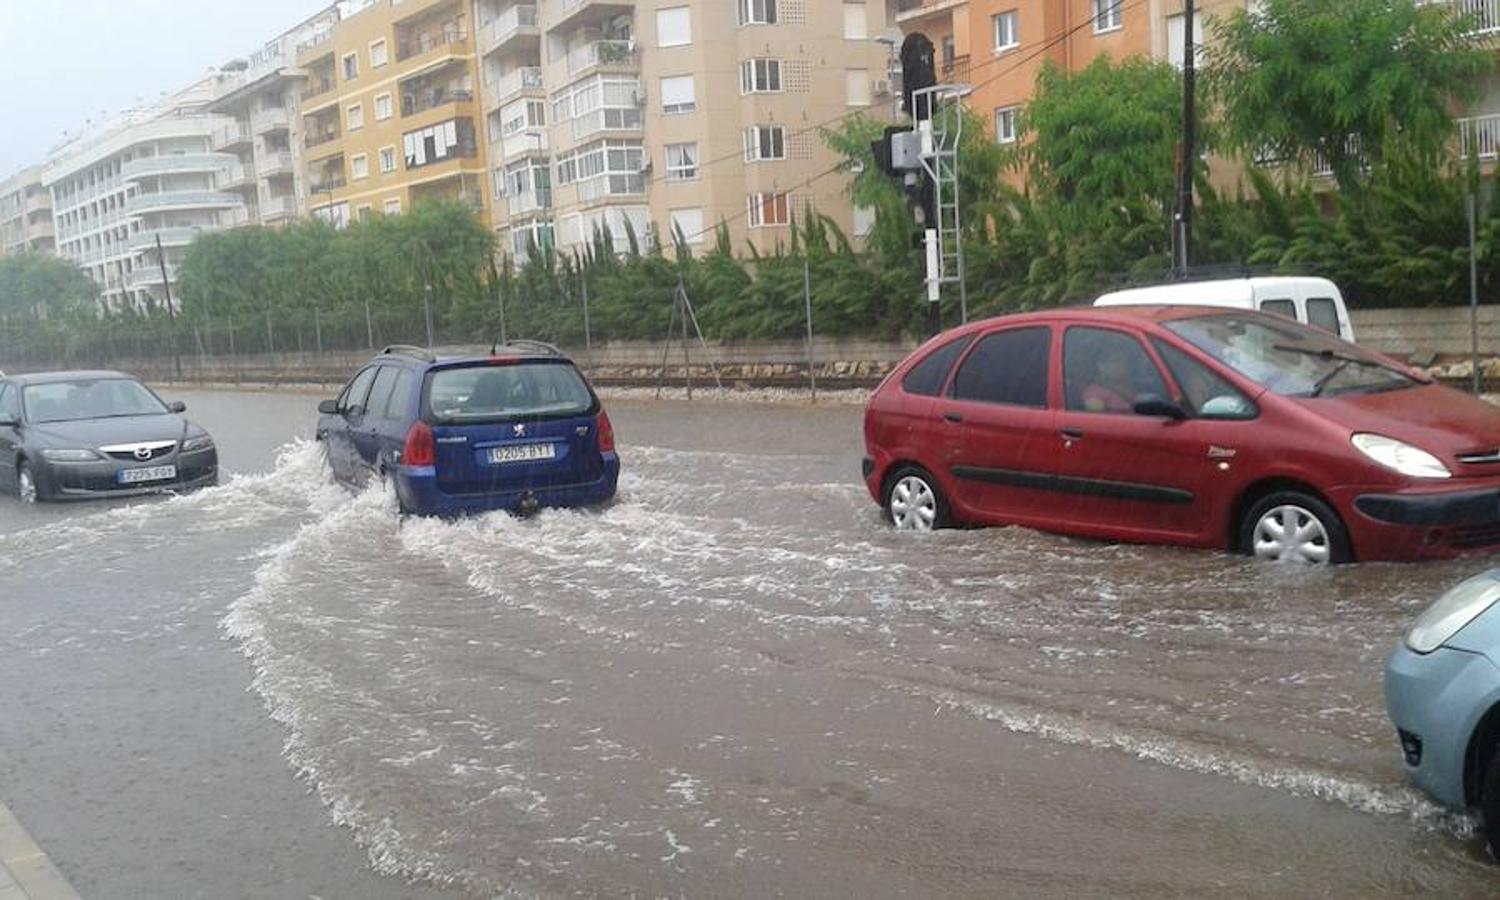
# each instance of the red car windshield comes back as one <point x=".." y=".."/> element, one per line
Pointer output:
<point x="1290" y="359"/>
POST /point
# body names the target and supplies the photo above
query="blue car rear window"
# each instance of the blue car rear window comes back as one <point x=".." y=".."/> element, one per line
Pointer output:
<point x="484" y="393"/>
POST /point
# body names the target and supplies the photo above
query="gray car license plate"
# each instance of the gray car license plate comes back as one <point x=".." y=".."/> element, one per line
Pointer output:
<point x="148" y="473"/>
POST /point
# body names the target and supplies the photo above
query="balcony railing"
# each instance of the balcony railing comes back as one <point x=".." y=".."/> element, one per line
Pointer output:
<point x="175" y="163"/>
<point x="170" y="237"/>
<point x="231" y="135"/>
<point x="149" y="274"/>
<point x="423" y="43"/>
<point x="423" y="100"/>
<point x="314" y="42"/>
<point x="510" y="22"/>
<point x="318" y="88"/>
<point x="271" y="120"/>
<point x="278" y="208"/>
<point x="278" y="163"/>
<point x="600" y="53"/>
<point x="611" y="185"/>
<point x="610" y="118"/>
<point x="238" y="177"/>
<point x="319" y="138"/>
<point x="528" y="201"/>
<point x="1479" y="137"/>
<point x="142" y="203"/>
<point x="512" y="83"/>
<point x="315" y="188"/>
<point x="1483" y="15"/>
<point x="528" y="140"/>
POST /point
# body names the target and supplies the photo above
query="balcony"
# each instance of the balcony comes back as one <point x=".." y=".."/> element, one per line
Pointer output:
<point x="176" y="164"/>
<point x="910" y="10"/>
<point x="270" y="121"/>
<point x="516" y="23"/>
<point x="573" y="13"/>
<point x="601" y="187"/>
<point x="610" y="118"/>
<point x="326" y="185"/>
<point x="141" y="204"/>
<point x="431" y="42"/>
<point x="419" y="101"/>
<point x="317" y="45"/>
<point x="527" y="78"/>
<point x="239" y="177"/>
<point x="1483" y="15"/>
<point x="318" y="87"/>
<point x="148" y="275"/>
<point x="277" y="209"/>
<point x="40" y="201"/>
<point x="523" y="202"/>
<point x="277" y="165"/>
<point x="320" y="137"/>
<point x="232" y="137"/>
<point x="170" y="237"/>
<point x="602" y="53"/>
<point x="1479" y="137"/>
<point x="527" y="140"/>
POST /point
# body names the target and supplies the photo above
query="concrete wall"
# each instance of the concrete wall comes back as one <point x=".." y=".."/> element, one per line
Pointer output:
<point x="1444" y="331"/>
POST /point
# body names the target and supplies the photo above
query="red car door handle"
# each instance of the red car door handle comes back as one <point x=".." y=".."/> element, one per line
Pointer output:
<point x="953" y="417"/>
<point x="1072" y="434"/>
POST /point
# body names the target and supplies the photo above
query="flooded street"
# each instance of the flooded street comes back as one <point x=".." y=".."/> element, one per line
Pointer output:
<point x="736" y="680"/>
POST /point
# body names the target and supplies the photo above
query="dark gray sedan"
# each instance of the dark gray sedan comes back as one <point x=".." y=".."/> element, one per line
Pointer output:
<point x="73" y="435"/>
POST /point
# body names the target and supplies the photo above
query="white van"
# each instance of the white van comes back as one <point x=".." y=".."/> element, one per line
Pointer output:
<point x="1312" y="301"/>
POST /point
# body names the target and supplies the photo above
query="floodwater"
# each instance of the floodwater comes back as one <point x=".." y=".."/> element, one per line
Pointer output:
<point x="736" y="680"/>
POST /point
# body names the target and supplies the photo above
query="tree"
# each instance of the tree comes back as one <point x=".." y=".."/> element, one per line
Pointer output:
<point x="1346" y="83"/>
<point x="38" y="287"/>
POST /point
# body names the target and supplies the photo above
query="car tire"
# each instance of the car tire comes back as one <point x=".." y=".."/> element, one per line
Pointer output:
<point x="26" y="486"/>
<point x="1489" y="805"/>
<point x="393" y="496"/>
<point x="1316" y="536"/>
<point x="914" y="502"/>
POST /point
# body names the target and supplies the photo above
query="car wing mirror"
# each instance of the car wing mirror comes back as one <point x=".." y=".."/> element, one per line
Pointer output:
<point x="1155" y="405"/>
<point x="7" y="422"/>
<point x="329" y="407"/>
<point x="177" y="406"/>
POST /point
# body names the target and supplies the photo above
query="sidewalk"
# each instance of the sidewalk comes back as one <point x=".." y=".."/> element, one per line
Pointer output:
<point x="25" y="871"/>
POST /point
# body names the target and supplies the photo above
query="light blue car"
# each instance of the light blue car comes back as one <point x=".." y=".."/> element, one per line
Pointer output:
<point x="1442" y="691"/>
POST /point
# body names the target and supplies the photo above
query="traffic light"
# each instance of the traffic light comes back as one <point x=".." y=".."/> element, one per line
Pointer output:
<point x="918" y="71"/>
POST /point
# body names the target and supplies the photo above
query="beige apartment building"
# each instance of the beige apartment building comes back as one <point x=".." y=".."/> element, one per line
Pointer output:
<point x="390" y="110"/>
<point x="671" y="116"/>
<point x="263" y="95"/>
<point x="25" y="214"/>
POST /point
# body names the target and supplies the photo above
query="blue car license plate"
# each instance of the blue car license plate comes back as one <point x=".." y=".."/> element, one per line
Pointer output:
<point x="522" y="453"/>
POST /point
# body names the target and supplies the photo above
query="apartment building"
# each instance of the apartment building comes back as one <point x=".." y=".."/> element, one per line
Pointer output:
<point x="671" y="116"/>
<point x="25" y="214"/>
<point x="262" y="94"/>
<point x="150" y="175"/>
<point x="999" y="46"/>
<point x="390" y="110"/>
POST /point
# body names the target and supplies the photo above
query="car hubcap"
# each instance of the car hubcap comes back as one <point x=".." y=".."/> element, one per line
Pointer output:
<point x="913" y="504"/>
<point x="1292" y="533"/>
<point x="27" y="487"/>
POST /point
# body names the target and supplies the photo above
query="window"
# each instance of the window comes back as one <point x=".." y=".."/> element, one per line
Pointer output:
<point x="674" y="27"/>
<point x="856" y="21"/>
<point x="378" y="54"/>
<point x="1007" y="367"/>
<point x="439" y="143"/>
<point x="10" y="401"/>
<point x="380" y="391"/>
<point x="1174" y="40"/>
<point x="763" y="142"/>
<point x="857" y="87"/>
<point x="1204" y="393"/>
<point x="1007" y="33"/>
<point x="1106" y="15"/>
<point x="688" y="223"/>
<point x="682" y="162"/>
<point x="351" y="66"/>
<point x="1322" y="313"/>
<point x="1107" y="371"/>
<point x="1006" y="124"/>
<point x="356" y="117"/>
<point x="382" y="107"/>
<point x="769" y="209"/>
<point x="603" y="168"/>
<point x="360" y="166"/>
<point x="400" y="398"/>
<point x="387" y="159"/>
<point x="678" y="95"/>
<point x="760" y="76"/>
<point x="353" y="397"/>
<point x="393" y="206"/>
<point x="521" y="115"/>
<point x="927" y="377"/>
<point x="758" y="12"/>
<point x="1280" y="308"/>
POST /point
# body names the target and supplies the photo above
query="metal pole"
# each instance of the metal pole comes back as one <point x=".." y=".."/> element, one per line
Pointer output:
<point x="588" y="335"/>
<point x="687" y="366"/>
<point x="270" y="338"/>
<point x="427" y="310"/>
<point x="812" y="379"/>
<point x="1189" y="151"/>
<point x="963" y="278"/>
<point x="318" y="328"/>
<point x="1474" y="294"/>
<point x="166" y="285"/>
<point x="369" y="326"/>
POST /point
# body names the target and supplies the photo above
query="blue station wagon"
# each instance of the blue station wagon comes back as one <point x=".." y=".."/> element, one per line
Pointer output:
<point x="517" y="430"/>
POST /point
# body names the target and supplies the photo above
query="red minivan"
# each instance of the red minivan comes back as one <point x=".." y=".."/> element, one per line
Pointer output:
<point x="1182" y="425"/>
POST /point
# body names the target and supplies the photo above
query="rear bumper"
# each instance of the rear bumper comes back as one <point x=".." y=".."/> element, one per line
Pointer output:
<point x="1422" y="524"/>
<point x="1435" y="700"/>
<point x="418" y="489"/>
<point x="89" y="481"/>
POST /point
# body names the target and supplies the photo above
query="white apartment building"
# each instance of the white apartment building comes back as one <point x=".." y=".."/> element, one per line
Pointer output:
<point x="263" y="94"/>
<point x="672" y="115"/>
<point x="151" y="174"/>
<point x="25" y="214"/>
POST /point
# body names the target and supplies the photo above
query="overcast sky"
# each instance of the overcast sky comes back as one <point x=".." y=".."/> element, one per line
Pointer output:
<point x="64" y="61"/>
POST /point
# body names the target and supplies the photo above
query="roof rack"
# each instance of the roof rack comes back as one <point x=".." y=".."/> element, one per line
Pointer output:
<point x="408" y="350"/>
<point x="527" y="345"/>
